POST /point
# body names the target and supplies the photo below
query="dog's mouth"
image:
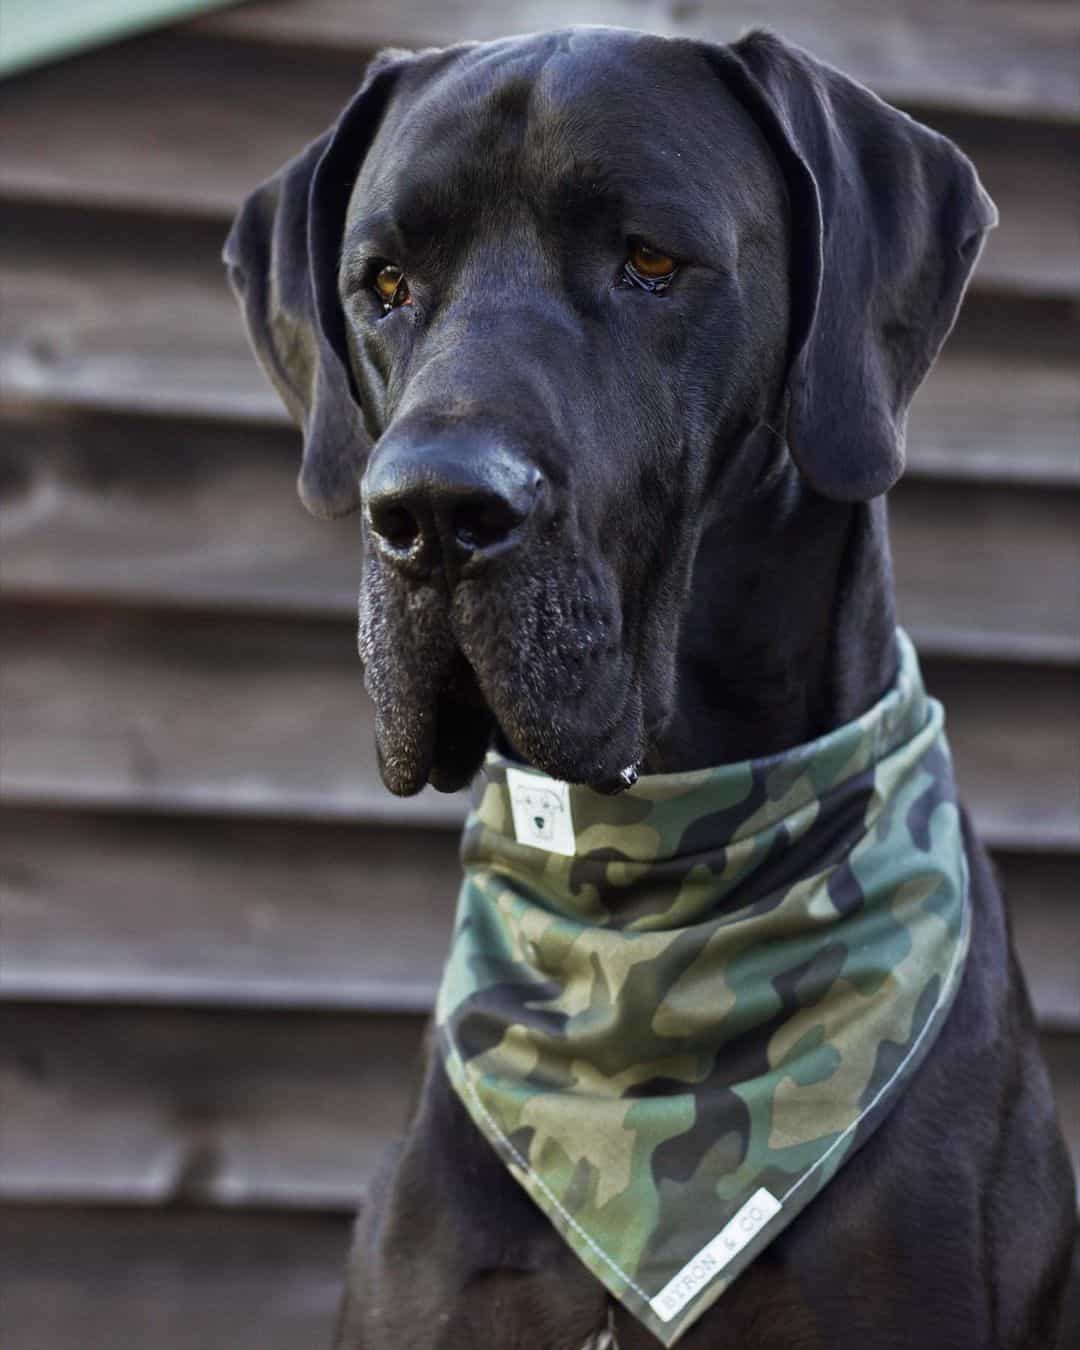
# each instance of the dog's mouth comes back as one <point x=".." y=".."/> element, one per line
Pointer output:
<point x="463" y="729"/>
<point x="518" y="666"/>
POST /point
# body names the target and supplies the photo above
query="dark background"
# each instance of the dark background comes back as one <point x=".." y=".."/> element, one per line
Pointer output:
<point x="219" y="933"/>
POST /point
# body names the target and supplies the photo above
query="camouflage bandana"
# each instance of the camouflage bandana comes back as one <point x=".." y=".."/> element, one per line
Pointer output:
<point x="674" y="1013"/>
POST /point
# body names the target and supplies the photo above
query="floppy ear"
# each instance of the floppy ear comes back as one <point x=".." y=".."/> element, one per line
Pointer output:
<point x="887" y="222"/>
<point x="282" y="256"/>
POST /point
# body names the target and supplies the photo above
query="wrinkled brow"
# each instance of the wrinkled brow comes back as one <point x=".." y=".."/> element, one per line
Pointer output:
<point x="407" y="220"/>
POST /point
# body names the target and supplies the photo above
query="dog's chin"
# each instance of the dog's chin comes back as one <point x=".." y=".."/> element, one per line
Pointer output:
<point x="592" y="749"/>
<point x="442" y="739"/>
<point x="445" y="743"/>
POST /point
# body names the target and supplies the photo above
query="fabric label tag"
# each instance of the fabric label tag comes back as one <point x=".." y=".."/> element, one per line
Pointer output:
<point x="714" y="1256"/>
<point x="541" y="810"/>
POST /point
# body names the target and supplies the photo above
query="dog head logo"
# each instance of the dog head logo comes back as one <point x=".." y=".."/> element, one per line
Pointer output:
<point x="543" y="808"/>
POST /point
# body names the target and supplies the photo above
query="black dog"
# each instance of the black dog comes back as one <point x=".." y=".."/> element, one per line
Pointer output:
<point x="639" y="321"/>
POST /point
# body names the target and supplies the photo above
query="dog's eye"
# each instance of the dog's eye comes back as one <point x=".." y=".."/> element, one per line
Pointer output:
<point x="391" y="286"/>
<point x="648" y="267"/>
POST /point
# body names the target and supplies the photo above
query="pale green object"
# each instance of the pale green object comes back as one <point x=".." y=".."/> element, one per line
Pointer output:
<point x="35" y="31"/>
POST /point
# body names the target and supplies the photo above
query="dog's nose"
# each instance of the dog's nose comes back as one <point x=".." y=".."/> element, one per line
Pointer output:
<point x="458" y="502"/>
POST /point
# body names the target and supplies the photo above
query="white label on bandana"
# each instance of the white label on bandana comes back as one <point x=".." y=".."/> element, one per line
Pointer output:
<point x="541" y="808"/>
<point x="714" y="1256"/>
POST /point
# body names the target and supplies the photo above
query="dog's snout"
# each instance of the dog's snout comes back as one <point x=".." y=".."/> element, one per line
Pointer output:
<point x="455" y="502"/>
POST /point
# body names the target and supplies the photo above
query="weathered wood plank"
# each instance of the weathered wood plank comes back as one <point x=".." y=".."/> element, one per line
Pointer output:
<point x="1034" y="250"/>
<point x="142" y="710"/>
<point x="1016" y="760"/>
<point x="213" y="120"/>
<point x="988" y="569"/>
<point x="1006" y="57"/>
<point x="163" y="910"/>
<point x="105" y="312"/>
<point x="131" y="511"/>
<point x="1003" y="400"/>
<point x="103" y="908"/>
<point x="154" y="1106"/>
<point x="165" y="1106"/>
<point x="116" y="1279"/>
<point x="217" y="118"/>
<point x="1043" y="898"/>
<point x="158" y="713"/>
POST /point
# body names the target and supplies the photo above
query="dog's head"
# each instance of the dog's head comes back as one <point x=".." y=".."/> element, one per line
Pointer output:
<point x="534" y="303"/>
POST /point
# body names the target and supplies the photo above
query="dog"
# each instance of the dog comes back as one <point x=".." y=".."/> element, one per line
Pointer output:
<point x="613" y="338"/>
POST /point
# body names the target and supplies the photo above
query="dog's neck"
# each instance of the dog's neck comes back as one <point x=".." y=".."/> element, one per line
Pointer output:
<point x="789" y="630"/>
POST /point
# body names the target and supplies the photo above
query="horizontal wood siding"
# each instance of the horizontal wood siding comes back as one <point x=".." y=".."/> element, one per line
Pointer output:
<point x="998" y="56"/>
<point x="317" y="916"/>
<point x="221" y="936"/>
<point x="109" y="312"/>
<point x="168" y="1279"/>
<point x="267" y="914"/>
<point x="132" y="511"/>
<point x="240" y="1108"/>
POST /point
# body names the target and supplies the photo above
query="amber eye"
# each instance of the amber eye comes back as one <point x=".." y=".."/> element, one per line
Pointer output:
<point x="391" y="286"/>
<point x="648" y="263"/>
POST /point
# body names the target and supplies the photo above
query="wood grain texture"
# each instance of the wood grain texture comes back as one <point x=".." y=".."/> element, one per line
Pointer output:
<point x="1042" y="897"/>
<point x="202" y="911"/>
<point x="164" y="1106"/>
<point x="134" y="511"/>
<point x="1003" y="400"/>
<point x="113" y="312"/>
<point x="218" y="118"/>
<point x="131" y="1279"/>
<point x="1014" y="732"/>
<point x="988" y="569"/>
<point x="997" y="56"/>
<point x="193" y="713"/>
<point x="167" y="513"/>
<point x="156" y="1106"/>
<point x="108" y="312"/>
<point x="103" y="908"/>
<point x="148" y="711"/>
<point x="213" y="120"/>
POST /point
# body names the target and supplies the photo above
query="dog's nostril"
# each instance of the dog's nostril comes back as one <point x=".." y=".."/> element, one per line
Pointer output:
<point x="395" y="523"/>
<point x="480" y="524"/>
<point x="448" y="502"/>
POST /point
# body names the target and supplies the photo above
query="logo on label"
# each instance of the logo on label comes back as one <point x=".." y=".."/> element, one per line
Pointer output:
<point x="541" y="811"/>
<point x="714" y="1256"/>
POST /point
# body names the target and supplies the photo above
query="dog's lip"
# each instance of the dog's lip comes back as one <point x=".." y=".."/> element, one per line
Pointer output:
<point x="437" y="738"/>
<point x="443" y="742"/>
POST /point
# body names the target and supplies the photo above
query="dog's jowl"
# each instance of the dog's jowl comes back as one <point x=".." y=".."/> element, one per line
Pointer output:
<point x="612" y="339"/>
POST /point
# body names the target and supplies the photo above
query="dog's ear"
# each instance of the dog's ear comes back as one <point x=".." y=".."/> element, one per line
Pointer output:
<point x="887" y="222"/>
<point x="282" y="255"/>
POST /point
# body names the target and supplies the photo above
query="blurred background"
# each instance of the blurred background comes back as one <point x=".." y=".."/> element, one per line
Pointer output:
<point x="220" y="935"/>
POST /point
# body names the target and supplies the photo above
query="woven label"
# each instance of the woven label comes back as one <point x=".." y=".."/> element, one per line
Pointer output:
<point x="541" y="810"/>
<point x="714" y="1256"/>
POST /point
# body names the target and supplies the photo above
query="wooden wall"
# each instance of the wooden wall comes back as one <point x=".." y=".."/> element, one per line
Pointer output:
<point x="219" y="933"/>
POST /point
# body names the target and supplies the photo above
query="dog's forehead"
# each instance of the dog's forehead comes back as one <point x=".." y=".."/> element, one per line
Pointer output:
<point x="549" y="107"/>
